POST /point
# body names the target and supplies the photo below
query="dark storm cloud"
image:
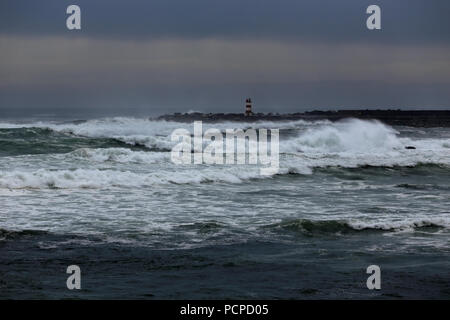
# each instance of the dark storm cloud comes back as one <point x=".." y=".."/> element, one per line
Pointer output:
<point x="135" y="57"/>
<point x="329" y="20"/>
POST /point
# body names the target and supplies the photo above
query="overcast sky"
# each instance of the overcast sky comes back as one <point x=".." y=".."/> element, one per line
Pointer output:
<point x="157" y="56"/>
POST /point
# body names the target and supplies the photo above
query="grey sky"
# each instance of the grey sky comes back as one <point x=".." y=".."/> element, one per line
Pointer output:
<point x="149" y="57"/>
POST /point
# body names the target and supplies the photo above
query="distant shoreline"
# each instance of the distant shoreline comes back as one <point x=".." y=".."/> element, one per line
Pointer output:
<point x="412" y="118"/>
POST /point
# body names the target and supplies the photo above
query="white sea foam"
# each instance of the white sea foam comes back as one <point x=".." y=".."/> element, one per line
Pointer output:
<point x="125" y="126"/>
<point x="98" y="179"/>
<point x="404" y="225"/>
<point x="354" y="143"/>
<point x="143" y="191"/>
<point x="346" y="136"/>
<point x="150" y="133"/>
<point x="349" y="143"/>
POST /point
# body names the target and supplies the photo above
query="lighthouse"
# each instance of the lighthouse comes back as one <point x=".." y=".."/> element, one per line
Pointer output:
<point x="248" y="107"/>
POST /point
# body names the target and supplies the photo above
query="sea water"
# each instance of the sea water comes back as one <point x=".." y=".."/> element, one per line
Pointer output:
<point x="104" y="195"/>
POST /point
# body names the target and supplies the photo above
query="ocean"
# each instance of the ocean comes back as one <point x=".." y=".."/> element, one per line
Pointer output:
<point x="104" y="195"/>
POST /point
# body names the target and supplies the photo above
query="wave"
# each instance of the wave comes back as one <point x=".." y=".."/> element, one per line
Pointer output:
<point x="17" y="234"/>
<point x="423" y="186"/>
<point x="33" y="140"/>
<point x="126" y="126"/>
<point x="100" y="179"/>
<point x="107" y="178"/>
<point x="357" y="143"/>
<point x="317" y="227"/>
<point x="201" y="227"/>
<point x="120" y="155"/>
<point x="152" y="134"/>
<point x="357" y="138"/>
<point x="351" y="135"/>
<point x="305" y="146"/>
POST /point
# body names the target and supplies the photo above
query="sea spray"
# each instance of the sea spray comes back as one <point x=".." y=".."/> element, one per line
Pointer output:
<point x="238" y="147"/>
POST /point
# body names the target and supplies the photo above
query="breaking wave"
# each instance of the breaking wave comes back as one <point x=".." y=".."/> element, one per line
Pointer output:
<point x="33" y="140"/>
<point x="357" y="143"/>
<point x="304" y="146"/>
<point x="346" y="136"/>
<point x="311" y="227"/>
<point x="99" y="179"/>
<point x="151" y="134"/>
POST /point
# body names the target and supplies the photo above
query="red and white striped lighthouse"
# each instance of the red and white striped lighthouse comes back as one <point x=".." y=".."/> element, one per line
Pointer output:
<point x="248" y="107"/>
